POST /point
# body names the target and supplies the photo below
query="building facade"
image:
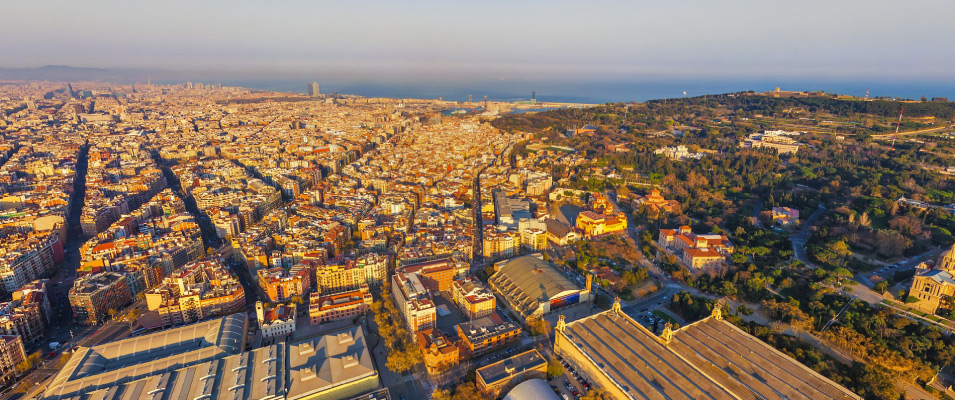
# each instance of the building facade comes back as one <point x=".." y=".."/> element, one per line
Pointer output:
<point x="93" y="296"/>
<point x="438" y="352"/>
<point x="486" y="334"/>
<point x="473" y="298"/>
<point x="494" y="379"/>
<point x="933" y="286"/>
<point x="281" y="285"/>
<point x="279" y="321"/>
<point x="338" y="306"/>
<point x="413" y="301"/>
<point x="11" y="354"/>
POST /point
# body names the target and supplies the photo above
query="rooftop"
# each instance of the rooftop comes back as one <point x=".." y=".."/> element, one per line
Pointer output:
<point x="509" y="367"/>
<point x="527" y="281"/>
<point x="711" y="359"/>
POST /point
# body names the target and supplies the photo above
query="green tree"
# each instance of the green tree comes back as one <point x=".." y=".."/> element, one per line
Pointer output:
<point x="554" y="369"/>
<point x="538" y="326"/>
<point x="881" y="287"/>
<point x="467" y="391"/>
<point x="726" y="288"/>
<point x="401" y="361"/>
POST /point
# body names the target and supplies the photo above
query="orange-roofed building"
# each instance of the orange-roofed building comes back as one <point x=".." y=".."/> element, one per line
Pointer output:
<point x="438" y="351"/>
<point x="696" y="251"/>
<point x="338" y="306"/>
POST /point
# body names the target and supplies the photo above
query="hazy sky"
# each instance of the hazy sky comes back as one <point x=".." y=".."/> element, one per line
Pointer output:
<point x="489" y="39"/>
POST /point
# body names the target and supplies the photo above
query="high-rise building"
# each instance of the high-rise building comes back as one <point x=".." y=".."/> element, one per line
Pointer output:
<point x="313" y="89"/>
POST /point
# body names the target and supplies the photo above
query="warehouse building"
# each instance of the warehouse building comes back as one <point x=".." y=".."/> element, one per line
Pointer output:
<point x="207" y="361"/>
<point x="534" y="287"/>
<point x="709" y="359"/>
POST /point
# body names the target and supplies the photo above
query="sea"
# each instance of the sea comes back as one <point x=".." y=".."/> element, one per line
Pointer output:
<point x="599" y="92"/>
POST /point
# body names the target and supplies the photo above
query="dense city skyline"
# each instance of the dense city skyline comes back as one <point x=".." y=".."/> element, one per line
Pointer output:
<point x="477" y="201"/>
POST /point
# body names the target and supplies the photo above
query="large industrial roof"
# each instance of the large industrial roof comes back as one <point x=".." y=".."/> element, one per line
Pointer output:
<point x="190" y="367"/>
<point x="744" y="364"/>
<point x="124" y="360"/>
<point x="321" y="363"/>
<point x="528" y="281"/>
<point x="711" y="359"/>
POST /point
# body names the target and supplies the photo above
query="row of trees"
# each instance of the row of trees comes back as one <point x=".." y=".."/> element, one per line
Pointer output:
<point x="403" y="355"/>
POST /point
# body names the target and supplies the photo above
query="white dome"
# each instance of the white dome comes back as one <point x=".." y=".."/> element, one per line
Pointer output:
<point x="532" y="389"/>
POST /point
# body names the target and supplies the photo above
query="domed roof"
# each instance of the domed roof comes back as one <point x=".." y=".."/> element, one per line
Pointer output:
<point x="532" y="389"/>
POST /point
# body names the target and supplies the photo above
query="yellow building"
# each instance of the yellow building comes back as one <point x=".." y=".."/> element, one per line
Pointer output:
<point x="473" y="298"/>
<point x="602" y="217"/>
<point x="933" y="286"/>
<point x="593" y="224"/>
<point x="499" y="244"/>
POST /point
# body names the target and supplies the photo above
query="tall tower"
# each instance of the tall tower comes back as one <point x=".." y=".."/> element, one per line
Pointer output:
<point x="149" y="81"/>
<point x="485" y="102"/>
<point x="469" y="99"/>
<point x="533" y="96"/>
<point x="313" y="89"/>
<point x="947" y="260"/>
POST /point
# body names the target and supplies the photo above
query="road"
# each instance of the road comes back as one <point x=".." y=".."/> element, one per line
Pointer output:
<point x="915" y="132"/>
<point x="62" y="328"/>
<point x="756" y="209"/>
<point x="904" y="265"/>
<point x="800" y="237"/>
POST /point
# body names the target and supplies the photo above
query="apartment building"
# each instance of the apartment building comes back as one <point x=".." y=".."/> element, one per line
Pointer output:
<point x="473" y="298"/>
<point x="93" y="296"/>
<point x="338" y="306"/>
<point x="27" y="255"/>
<point x="413" y="301"/>
<point x="11" y="354"/>
<point x="486" y="334"/>
<point x="281" y="285"/>
<point x="369" y="269"/>
<point x="200" y="290"/>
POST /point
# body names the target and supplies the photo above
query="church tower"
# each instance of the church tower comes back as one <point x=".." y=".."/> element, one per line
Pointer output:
<point x="947" y="261"/>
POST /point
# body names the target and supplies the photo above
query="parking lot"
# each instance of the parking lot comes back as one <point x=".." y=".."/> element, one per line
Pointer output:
<point x="570" y="385"/>
<point x="447" y="323"/>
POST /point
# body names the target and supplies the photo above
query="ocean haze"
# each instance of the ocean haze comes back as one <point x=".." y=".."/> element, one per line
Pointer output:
<point x="588" y="91"/>
<point x="596" y="92"/>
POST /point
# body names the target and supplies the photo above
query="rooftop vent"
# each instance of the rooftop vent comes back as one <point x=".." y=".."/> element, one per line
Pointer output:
<point x="344" y="338"/>
<point x="349" y="361"/>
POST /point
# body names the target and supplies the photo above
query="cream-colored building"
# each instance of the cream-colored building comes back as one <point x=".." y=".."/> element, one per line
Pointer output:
<point x="936" y="286"/>
<point x="473" y="298"/>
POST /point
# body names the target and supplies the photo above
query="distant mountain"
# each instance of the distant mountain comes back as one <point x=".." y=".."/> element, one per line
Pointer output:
<point x="67" y="73"/>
